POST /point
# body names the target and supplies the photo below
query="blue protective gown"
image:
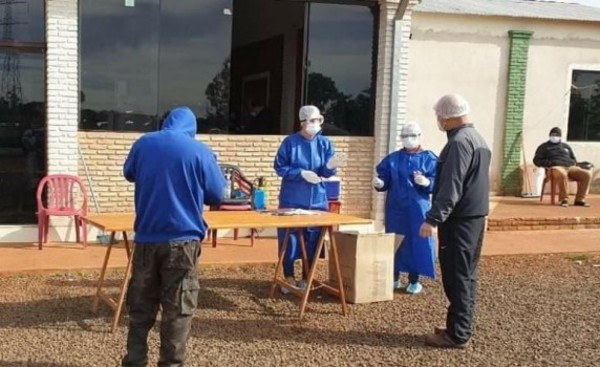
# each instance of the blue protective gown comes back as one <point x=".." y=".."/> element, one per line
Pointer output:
<point x="405" y="208"/>
<point x="295" y="154"/>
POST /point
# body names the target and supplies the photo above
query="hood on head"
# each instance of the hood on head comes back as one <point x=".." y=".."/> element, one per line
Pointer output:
<point x="181" y="119"/>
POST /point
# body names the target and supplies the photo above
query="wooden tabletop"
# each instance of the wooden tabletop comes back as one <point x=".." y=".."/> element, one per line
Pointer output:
<point x="119" y="222"/>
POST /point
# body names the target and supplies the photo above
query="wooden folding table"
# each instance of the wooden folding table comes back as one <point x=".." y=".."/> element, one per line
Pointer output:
<point x="113" y="223"/>
<point x="248" y="219"/>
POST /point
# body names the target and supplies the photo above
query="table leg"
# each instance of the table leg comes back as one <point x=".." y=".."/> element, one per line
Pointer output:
<point x="303" y="251"/>
<point x="280" y="262"/>
<point x="338" y="272"/>
<point x="311" y="273"/>
<point x="126" y="244"/>
<point x="124" y="284"/>
<point x="102" y="273"/>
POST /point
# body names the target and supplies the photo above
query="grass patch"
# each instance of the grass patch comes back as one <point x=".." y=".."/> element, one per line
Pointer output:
<point x="579" y="257"/>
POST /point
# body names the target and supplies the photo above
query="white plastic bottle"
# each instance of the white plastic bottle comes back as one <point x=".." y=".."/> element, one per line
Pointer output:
<point x="227" y="191"/>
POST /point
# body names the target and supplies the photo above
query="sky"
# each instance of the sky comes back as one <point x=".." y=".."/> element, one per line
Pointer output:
<point x="595" y="3"/>
<point x="589" y="2"/>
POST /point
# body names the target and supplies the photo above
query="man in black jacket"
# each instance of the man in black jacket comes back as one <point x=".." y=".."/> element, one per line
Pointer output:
<point x="459" y="206"/>
<point x="559" y="158"/>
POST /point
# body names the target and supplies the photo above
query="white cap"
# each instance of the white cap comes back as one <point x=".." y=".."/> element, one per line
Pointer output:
<point x="307" y="113"/>
<point x="411" y="127"/>
<point x="451" y="105"/>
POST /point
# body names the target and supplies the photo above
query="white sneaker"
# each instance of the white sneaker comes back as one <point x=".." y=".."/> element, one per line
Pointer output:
<point x="397" y="284"/>
<point x="414" y="288"/>
<point x="291" y="281"/>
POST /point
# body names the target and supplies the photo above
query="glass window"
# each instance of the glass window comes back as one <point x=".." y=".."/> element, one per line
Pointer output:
<point x="22" y="21"/>
<point x="584" y="109"/>
<point x="233" y="62"/>
<point x="340" y="67"/>
<point x="22" y="108"/>
<point x="119" y="63"/>
<point x="22" y="136"/>
<point x="195" y="43"/>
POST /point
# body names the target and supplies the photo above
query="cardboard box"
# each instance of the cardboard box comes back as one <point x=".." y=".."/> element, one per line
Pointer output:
<point x="366" y="264"/>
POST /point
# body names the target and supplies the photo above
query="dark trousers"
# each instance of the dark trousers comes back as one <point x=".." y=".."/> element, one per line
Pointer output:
<point x="460" y="241"/>
<point x="163" y="274"/>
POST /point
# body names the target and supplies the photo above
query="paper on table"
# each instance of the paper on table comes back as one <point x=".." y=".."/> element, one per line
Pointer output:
<point x="295" y="212"/>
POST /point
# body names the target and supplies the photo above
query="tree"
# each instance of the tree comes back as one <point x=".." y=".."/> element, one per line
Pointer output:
<point x="350" y="114"/>
<point x="323" y="93"/>
<point x="217" y="94"/>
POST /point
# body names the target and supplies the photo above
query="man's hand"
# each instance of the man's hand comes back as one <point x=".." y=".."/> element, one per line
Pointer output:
<point x="426" y="230"/>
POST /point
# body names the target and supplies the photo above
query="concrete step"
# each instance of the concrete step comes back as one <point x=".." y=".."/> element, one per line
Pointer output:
<point x="542" y="223"/>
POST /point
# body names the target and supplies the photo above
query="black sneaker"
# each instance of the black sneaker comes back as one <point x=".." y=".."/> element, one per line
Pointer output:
<point x="564" y="203"/>
<point x="581" y="203"/>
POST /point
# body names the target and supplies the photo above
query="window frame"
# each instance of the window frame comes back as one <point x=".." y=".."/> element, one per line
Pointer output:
<point x="576" y="68"/>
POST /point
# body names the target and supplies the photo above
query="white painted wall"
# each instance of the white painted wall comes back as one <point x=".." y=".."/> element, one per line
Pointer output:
<point x="469" y="55"/>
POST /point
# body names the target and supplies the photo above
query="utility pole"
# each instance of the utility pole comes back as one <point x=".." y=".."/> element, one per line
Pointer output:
<point x="10" y="86"/>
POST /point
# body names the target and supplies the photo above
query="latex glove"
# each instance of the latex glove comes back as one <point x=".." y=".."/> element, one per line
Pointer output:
<point x="421" y="180"/>
<point x="426" y="230"/>
<point x="310" y="176"/>
<point x="338" y="160"/>
<point x="378" y="183"/>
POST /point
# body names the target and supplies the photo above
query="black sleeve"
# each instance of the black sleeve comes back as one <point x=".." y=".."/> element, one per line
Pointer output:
<point x="450" y="180"/>
<point x="571" y="153"/>
<point x="540" y="159"/>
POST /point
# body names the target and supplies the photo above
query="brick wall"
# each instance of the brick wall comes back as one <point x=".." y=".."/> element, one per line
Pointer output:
<point x="62" y="78"/>
<point x="515" y="104"/>
<point x="105" y="153"/>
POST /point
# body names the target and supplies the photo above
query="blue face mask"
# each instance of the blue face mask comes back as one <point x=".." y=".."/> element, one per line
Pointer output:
<point x="555" y="139"/>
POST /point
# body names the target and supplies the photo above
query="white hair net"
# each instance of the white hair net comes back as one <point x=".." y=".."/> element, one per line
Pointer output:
<point x="411" y="128"/>
<point x="307" y="113"/>
<point x="451" y="105"/>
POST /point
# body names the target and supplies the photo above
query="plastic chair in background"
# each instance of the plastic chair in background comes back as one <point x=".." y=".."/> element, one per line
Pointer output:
<point x="65" y="196"/>
<point x="553" y="189"/>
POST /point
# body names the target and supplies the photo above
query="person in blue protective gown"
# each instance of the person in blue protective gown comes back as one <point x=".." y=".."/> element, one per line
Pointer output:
<point x="407" y="176"/>
<point x="302" y="161"/>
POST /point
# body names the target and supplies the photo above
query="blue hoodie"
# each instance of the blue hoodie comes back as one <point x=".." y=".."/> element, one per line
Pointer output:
<point x="174" y="176"/>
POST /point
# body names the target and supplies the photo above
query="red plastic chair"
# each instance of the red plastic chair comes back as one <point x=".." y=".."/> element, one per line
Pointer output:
<point x="62" y="195"/>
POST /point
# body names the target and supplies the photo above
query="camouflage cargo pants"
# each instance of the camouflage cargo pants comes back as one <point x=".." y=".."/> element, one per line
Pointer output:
<point x="163" y="274"/>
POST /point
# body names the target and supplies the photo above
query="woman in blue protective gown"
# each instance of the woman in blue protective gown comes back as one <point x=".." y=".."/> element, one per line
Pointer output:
<point x="303" y="159"/>
<point x="408" y="176"/>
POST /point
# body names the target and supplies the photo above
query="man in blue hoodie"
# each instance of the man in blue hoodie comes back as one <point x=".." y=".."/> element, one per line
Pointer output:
<point x="174" y="176"/>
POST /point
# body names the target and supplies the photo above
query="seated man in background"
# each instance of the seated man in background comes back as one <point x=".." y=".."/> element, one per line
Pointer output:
<point x="559" y="158"/>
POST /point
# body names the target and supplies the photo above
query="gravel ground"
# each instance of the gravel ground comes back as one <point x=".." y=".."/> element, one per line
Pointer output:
<point x="531" y="311"/>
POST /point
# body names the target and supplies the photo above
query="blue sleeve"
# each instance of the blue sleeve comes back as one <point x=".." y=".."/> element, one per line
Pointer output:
<point x="329" y="152"/>
<point x="429" y="171"/>
<point x="383" y="172"/>
<point x="130" y="163"/>
<point x="213" y="183"/>
<point x="283" y="163"/>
